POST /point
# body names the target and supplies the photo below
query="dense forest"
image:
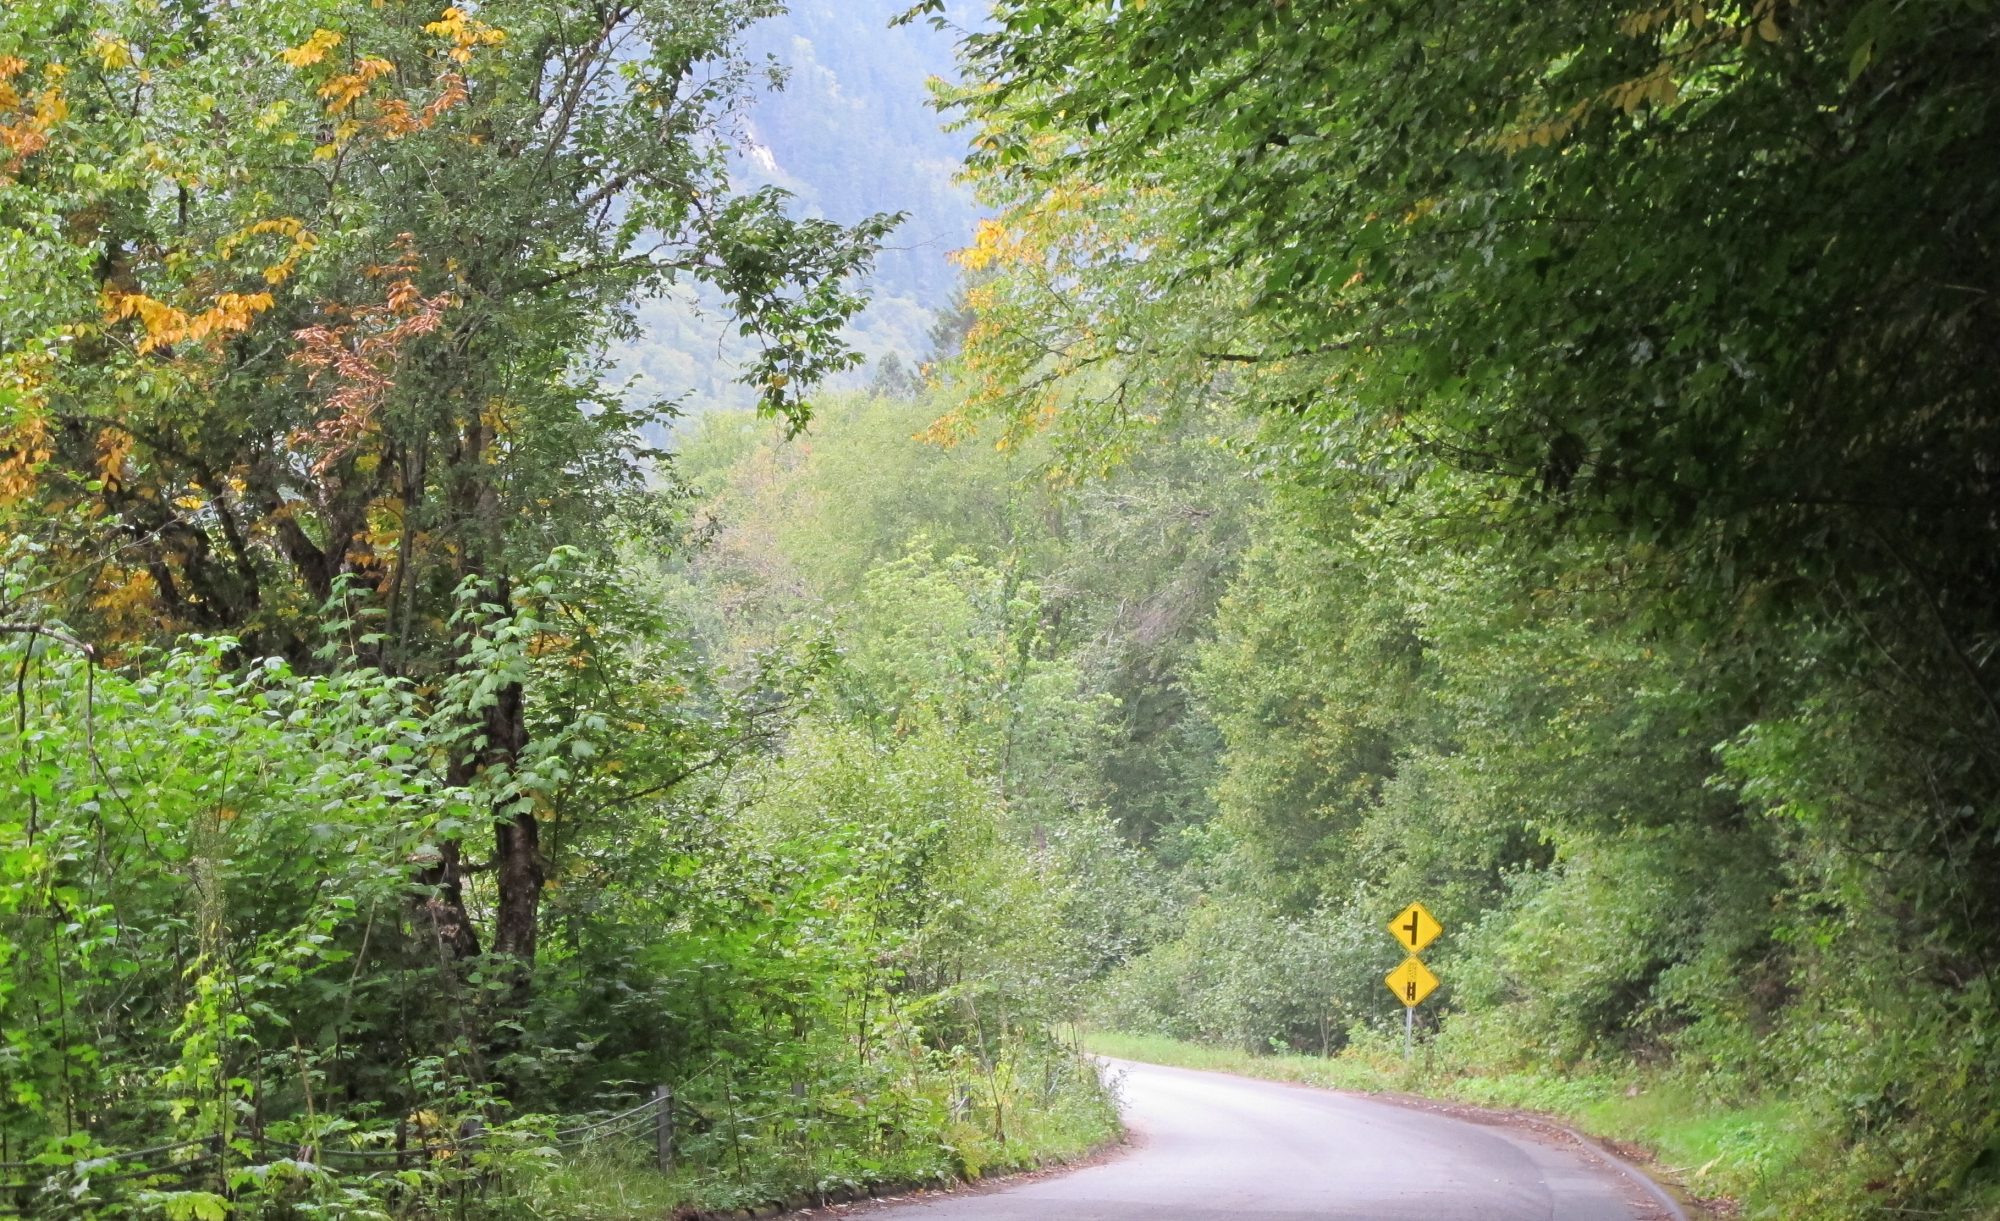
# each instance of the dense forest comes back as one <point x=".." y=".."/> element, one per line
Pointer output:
<point x="1535" y="460"/>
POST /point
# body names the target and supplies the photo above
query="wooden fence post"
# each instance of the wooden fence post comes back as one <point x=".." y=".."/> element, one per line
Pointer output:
<point x="663" y="1127"/>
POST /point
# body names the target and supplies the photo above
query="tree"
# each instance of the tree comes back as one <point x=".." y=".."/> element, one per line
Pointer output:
<point x="299" y="304"/>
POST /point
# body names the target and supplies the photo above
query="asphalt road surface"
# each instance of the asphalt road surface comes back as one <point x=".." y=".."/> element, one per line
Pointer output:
<point x="1213" y="1147"/>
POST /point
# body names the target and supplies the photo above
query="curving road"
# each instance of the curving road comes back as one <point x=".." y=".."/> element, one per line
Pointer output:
<point x="1213" y="1147"/>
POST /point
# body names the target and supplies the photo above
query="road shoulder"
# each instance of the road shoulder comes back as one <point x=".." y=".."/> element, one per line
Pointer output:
<point x="1625" y="1161"/>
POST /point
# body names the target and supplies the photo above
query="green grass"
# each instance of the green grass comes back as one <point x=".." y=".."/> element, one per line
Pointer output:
<point x="1346" y="1072"/>
<point x="617" y="1181"/>
<point x="1706" y="1148"/>
<point x="611" y="1185"/>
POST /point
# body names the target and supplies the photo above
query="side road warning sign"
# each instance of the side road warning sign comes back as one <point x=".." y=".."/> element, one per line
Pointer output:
<point x="1414" y="928"/>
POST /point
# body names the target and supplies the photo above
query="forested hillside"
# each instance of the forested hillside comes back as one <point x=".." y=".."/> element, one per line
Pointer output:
<point x="1534" y="460"/>
<point x="849" y="132"/>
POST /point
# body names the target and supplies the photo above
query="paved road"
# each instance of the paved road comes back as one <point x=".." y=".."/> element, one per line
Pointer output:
<point x="1212" y="1147"/>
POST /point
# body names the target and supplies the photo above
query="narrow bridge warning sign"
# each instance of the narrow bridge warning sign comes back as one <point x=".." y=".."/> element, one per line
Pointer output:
<point x="1411" y="982"/>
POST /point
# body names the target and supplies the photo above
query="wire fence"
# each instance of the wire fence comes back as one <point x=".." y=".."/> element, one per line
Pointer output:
<point x="186" y="1162"/>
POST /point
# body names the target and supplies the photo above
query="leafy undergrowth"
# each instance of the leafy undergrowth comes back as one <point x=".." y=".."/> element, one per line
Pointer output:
<point x="618" y="1183"/>
<point x="1710" y="1150"/>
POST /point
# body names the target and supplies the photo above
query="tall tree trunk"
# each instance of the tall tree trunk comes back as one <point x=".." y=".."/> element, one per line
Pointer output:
<point x="517" y="840"/>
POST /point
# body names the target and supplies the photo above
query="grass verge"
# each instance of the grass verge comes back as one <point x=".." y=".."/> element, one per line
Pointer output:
<point x="617" y="1181"/>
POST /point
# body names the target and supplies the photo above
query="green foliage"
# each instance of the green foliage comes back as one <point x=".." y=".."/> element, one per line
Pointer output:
<point x="847" y="960"/>
<point x="367" y="793"/>
<point x="1106" y="588"/>
<point x="198" y="862"/>
<point x="1240" y="976"/>
<point x="1626" y="596"/>
<point x="1532" y="459"/>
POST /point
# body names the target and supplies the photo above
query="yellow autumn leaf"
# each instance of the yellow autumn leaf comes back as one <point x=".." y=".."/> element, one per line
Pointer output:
<point x="113" y="447"/>
<point x="110" y="52"/>
<point x="465" y="33"/>
<point x="448" y="25"/>
<point x="163" y="323"/>
<point x="312" y="50"/>
<point x="342" y="91"/>
<point x="51" y="108"/>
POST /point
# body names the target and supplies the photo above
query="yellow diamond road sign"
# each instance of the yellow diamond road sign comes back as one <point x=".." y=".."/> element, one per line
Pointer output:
<point x="1411" y="982"/>
<point x="1414" y="928"/>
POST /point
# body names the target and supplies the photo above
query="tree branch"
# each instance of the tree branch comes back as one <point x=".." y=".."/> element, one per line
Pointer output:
<point x="37" y="629"/>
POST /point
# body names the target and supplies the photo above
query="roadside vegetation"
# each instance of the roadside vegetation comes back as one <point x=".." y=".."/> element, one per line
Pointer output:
<point x="376" y="836"/>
